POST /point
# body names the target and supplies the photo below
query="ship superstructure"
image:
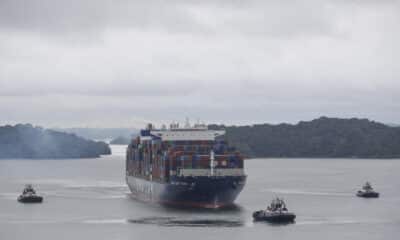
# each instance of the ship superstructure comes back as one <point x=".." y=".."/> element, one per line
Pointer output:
<point x="187" y="166"/>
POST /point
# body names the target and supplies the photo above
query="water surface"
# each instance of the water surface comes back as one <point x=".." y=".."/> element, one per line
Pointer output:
<point x="88" y="199"/>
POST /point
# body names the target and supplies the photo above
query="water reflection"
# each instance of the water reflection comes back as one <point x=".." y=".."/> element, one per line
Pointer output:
<point x="173" y="222"/>
<point x="234" y="208"/>
<point x="274" y="223"/>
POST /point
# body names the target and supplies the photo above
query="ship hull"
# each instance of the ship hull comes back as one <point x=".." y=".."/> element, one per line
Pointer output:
<point x="201" y="192"/>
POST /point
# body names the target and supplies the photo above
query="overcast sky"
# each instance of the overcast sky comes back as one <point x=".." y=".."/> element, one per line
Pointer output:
<point x="109" y="63"/>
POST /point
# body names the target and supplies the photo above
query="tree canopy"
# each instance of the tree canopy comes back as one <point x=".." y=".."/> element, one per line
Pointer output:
<point x="322" y="137"/>
<point x="26" y="141"/>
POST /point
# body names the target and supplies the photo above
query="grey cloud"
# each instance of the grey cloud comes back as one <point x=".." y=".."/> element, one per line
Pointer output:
<point x="200" y="17"/>
<point x="43" y="15"/>
<point x="111" y="62"/>
<point x="61" y="17"/>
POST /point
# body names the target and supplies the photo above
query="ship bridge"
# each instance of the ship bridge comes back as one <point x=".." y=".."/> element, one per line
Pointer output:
<point x="187" y="134"/>
<point x="197" y="132"/>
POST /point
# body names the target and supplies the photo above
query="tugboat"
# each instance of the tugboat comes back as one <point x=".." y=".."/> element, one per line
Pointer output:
<point x="367" y="191"/>
<point x="275" y="213"/>
<point x="29" y="195"/>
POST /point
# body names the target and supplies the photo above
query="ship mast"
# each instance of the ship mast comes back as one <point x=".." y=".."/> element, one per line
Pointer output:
<point x="212" y="162"/>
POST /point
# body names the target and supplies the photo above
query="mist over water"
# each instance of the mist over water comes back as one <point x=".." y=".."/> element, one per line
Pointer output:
<point x="88" y="199"/>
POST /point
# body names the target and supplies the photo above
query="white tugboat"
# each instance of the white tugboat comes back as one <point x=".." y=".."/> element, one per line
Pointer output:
<point x="277" y="212"/>
<point x="29" y="195"/>
<point x="367" y="191"/>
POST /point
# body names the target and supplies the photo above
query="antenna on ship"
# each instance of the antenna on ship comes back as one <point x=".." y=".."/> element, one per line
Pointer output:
<point x="187" y="123"/>
<point x="174" y="125"/>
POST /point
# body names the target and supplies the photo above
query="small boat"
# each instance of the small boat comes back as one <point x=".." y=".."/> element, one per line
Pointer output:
<point x="275" y="213"/>
<point x="367" y="191"/>
<point x="29" y="195"/>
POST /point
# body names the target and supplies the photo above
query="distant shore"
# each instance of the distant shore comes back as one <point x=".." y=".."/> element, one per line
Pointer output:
<point x="327" y="138"/>
<point x="320" y="138"/>
<point x="24" y="141"/>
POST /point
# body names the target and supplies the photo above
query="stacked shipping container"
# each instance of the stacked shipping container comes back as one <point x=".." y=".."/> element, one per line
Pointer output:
<point x="155" y="160"/>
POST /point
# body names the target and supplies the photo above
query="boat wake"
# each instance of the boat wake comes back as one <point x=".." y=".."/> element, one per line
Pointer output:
<point x="9" y="196"/>
<point x="81" y="189"/>
<point x="302" y="192"/>
<point x="338" y="222"/>
<point x="83" y="196"/>
<point x="106" y="221"/>
<point x="68" y="183"/>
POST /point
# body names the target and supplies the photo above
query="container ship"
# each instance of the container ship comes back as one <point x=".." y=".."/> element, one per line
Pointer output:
<point x="186" y="166"/>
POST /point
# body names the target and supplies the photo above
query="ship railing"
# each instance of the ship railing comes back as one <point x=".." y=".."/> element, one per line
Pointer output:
<point x="184" y="172"/>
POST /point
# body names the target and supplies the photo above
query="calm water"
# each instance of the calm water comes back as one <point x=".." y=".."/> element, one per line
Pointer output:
<point x="88" y="199"/>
